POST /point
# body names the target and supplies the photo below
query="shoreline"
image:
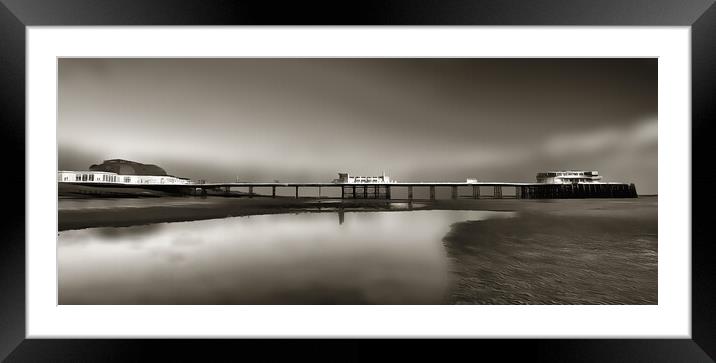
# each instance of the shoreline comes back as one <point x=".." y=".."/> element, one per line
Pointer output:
<point x="195" y="208"/>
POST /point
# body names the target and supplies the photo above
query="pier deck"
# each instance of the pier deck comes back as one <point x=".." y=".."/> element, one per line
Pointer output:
<point x="385" y="190"/>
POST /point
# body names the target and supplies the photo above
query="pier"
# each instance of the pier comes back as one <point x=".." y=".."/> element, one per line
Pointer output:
<point x="550" y="185"/>
<point x="474" y="190"/>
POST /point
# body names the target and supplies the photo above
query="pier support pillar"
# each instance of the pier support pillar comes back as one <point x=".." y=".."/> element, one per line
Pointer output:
<point x="296" y="191"/>
<point x="518" y="192"/>
<point x="354" y="192"/>
<point x="498" y="192"/>
<point x="251" y="192"/>
<point x="343" y="192"/>
<point x="365" y="192"/>
<point x="454" y="192"/>
<point x="432" y="192"/>
<point x="227" y="190"/>
<point x="319" y="191"/>
<point x="387" y="192"/>
<point x="475" y="192"/>
<point x="410" y="192"/>
<point x="375" y="191"/>
<point x="273" y="192"/>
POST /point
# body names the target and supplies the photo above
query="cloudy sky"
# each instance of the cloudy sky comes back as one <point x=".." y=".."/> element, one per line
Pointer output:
<point x="417" y="119"/>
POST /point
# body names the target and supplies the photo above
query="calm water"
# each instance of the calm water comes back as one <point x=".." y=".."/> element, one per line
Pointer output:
<point x="396" y="257"/>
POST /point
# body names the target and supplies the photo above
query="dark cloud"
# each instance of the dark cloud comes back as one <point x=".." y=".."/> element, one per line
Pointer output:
<point x="419" y="119"/>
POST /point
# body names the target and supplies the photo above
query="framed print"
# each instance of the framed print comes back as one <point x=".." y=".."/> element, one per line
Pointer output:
<point x="516" y="176"/>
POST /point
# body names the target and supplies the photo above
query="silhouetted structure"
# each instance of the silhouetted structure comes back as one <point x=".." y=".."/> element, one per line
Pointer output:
<point x="551" y="185"/>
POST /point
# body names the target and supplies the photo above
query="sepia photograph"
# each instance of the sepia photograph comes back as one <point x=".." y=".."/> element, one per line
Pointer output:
<point x="350" y="181"/>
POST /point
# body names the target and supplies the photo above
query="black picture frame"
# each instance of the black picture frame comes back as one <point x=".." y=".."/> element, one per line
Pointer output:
<point x="16" y="15"/>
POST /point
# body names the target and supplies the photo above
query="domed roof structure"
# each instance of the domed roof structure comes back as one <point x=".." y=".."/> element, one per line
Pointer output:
<point x="127" y="167"/>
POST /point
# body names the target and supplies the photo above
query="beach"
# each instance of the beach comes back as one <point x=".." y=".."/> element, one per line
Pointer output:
<point x="568" y="251"/>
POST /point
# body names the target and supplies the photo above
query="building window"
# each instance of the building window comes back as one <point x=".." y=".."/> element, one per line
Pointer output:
<point x="127" y="179"/>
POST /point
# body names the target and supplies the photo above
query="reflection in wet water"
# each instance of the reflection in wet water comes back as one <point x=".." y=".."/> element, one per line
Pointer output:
<point x="366" y="258"/>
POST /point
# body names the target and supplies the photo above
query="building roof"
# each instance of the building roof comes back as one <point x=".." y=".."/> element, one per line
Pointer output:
<point x="86" y="171"/>
<point x="571" y="171"/>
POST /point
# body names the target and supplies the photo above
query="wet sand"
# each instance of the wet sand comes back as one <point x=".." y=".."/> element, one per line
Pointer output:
<point x="123" y="212"/>
<point x="594" y="252"/>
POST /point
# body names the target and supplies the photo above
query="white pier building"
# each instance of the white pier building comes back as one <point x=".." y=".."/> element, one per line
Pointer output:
<point x="345" y="178"/>
<point x="569" y="177"/>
